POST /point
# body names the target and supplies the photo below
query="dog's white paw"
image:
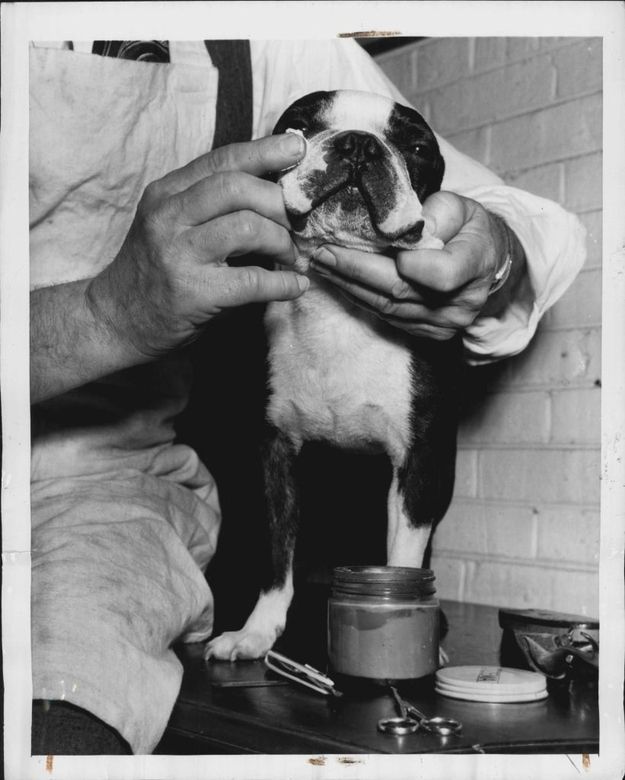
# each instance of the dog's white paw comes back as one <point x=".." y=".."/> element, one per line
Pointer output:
<point x="244" y="644"/>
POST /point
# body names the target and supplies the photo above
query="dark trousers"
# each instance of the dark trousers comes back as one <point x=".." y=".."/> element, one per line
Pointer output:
<point x="61" y="729"/>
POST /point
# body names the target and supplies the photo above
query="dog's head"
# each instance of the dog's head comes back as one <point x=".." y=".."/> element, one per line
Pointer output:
<point x="370" y="163"/>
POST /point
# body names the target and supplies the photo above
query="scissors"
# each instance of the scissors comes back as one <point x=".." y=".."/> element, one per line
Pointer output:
<point x="411" y="719"/>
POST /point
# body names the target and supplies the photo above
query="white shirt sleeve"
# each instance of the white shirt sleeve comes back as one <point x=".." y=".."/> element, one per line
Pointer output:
<point x="553" y="239"/>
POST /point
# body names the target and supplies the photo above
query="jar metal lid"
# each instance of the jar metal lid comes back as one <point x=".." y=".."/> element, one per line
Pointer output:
<point x="400" y="581"/>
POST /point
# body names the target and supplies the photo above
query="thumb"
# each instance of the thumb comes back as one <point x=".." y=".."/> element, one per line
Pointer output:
<point x="445" y="213"/>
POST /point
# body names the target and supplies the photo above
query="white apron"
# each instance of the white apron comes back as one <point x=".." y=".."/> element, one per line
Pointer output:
<point x="123" y="519"/>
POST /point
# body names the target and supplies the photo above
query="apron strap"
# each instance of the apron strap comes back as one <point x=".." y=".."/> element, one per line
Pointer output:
<point x="234" y="115"/>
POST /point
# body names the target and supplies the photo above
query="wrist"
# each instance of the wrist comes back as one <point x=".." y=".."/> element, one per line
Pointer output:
<point x="69" y="344"/>
<point x="109" y="316"/>
<point x="510" y="281"/>
<point x="502" y="273"/>
<point x="111" y="319"/>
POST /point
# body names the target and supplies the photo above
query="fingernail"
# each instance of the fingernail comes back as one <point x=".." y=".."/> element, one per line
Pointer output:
<point x="303" y="283"/>
<point x="324" y="256"/>
<point x="293" y="145"/>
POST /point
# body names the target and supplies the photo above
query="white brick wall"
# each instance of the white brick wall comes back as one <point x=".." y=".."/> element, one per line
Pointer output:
<point x="523" y="528"/>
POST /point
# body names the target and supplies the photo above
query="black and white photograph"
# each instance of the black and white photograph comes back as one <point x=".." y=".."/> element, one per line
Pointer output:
<point x="312" y="389"/>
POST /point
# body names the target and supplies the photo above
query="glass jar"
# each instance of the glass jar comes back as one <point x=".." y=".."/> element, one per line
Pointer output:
<point x="383" y="622"/>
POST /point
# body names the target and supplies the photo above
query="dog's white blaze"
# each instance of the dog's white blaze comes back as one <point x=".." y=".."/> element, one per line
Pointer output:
<point x="339" y="380"/>
<point x="359" y="111"/>
<point x="295" y="199"/>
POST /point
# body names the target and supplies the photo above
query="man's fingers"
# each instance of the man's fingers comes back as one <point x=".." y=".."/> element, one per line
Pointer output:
<point x="377" y="272"/>
<point x="401" y="312"/>
<point x="408" y="321"/>
<point x="240" y="233"/>
<point x="224" y="193"/>
<point x="411" y="273"/>
<point x="251" y="284"/>
<point x="265" y="155"/>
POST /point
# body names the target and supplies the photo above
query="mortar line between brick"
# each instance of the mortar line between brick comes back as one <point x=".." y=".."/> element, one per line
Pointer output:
<point x="527" y="446"/>
<point x="563" y="180"/>
<point x="597" y="211"/>
<point x="471" y="55"/>
<point x="515" y="115"/>
<point x="587" y="269"/>
<point x="519" y="389"/>
<point x="593" y="325"/>
<point x="546" y="563"/>
<point x="581" y="328"/>
<point x="462" y="581"/>
<point x="488" y="137"/>
<point x="517" y="504"/>
<point x="586" y="210"/>
<point x="487" y="69"/>
<point x="549" y="419"/>
<point x="531" y="388"/>
<point x="534" y="536"/>
<point x="535" y="447"/>
<point x="561" y="161"/>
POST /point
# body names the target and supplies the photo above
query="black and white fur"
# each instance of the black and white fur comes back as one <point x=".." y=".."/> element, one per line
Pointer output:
<point x="338" y="373"/>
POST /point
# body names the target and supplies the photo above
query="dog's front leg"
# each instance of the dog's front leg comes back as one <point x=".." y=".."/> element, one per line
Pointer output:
<point x="419" y="496"/>
<point x="268" y="618"/>
<point x="407" y="537"/>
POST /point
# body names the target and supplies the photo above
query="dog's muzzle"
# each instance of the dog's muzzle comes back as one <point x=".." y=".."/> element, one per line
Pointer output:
<point x="359" y="166"/>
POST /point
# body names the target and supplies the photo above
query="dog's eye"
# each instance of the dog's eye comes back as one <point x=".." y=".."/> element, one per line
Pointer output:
<point x="423" y="151"/>
<point x="411" y="149"/>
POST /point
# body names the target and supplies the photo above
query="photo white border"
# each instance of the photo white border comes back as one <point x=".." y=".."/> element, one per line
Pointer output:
<point x="22" y="22"/>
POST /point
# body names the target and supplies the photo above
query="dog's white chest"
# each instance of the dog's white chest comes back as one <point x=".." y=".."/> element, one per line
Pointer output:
<point x="333" y="377"/>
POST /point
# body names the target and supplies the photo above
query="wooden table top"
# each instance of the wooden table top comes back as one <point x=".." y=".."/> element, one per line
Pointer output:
<point x="219" y="712"/>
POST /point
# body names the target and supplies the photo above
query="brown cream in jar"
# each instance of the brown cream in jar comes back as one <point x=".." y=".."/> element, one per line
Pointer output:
<point x="383" y="622"/>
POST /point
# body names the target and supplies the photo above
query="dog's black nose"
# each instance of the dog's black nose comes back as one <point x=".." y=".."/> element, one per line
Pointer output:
<point x="357" y="147"/>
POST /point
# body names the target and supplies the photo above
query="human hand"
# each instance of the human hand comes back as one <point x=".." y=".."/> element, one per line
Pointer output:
<point x="426" y="292"/>
<point x="172" y="275"/>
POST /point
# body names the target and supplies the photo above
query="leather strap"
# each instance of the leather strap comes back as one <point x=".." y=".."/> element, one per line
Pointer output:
<point x="234" y="116"/>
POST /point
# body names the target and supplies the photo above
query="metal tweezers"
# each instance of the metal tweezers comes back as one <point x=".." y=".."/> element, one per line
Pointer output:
<point x="304" y="674"/>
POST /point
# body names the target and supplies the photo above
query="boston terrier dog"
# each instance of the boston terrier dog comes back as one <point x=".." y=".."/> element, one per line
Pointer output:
<point x="338" y="373"/>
